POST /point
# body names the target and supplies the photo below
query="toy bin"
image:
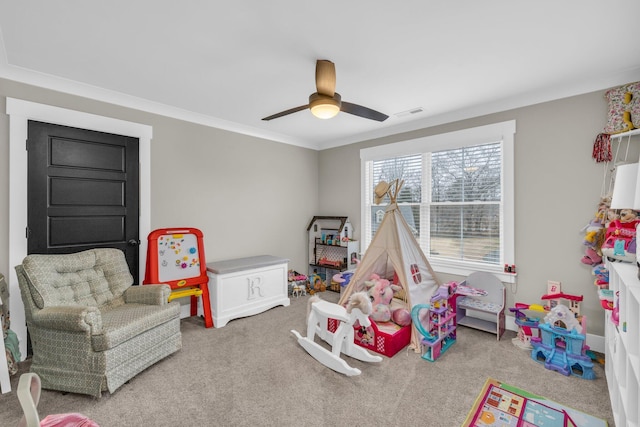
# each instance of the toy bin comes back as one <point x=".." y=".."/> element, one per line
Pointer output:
<point x="385" y="338"/>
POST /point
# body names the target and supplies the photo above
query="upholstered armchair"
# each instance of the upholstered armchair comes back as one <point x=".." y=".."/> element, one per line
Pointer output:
<point x="91" y="330"/>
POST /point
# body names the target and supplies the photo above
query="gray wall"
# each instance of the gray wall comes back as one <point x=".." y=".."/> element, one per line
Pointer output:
<point x="557" y="189"/>
<point x="248" y="196"/>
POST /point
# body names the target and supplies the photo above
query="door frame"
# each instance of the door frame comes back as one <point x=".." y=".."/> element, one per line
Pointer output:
<point x="20" y="112"/>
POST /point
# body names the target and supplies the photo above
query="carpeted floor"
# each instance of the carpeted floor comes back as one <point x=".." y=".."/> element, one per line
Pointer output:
<point x="252" y="372"/>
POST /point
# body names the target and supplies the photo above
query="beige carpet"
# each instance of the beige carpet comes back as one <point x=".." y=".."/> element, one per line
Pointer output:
<point x="252" y="372"/>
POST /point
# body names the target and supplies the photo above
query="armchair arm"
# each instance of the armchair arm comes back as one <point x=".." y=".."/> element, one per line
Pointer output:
<point x="69" y="318"/>
<point x="148" y="294"/>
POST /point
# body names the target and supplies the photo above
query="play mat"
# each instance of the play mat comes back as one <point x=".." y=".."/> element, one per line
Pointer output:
<point x="499" y="404"/>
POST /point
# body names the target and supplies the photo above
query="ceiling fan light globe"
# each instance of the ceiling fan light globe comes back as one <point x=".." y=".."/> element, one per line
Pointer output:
<point x="325" y="111"/>
<point x="324" y="107"/>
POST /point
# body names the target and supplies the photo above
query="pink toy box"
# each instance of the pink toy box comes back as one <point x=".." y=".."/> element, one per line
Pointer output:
<point x="385" y="338"/>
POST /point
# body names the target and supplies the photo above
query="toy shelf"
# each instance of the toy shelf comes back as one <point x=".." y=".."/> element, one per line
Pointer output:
<point x="474" y="311"/>
<point x="627" y="134"/>
<point x="331" y="248"/>
<point x="477" y="323"/>
<point x="622" y="344"/>
<point x="330" y="256"/>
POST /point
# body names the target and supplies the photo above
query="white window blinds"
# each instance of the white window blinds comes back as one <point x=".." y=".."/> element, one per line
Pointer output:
<point x="457" y="196"/>
<point x="466" y="203"/>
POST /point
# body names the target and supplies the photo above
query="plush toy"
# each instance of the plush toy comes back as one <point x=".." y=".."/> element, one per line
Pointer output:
<point x="381" y="293"/>
<point x="634" y="105"/>
<point x="602" y="276"/>
<point x="620" y="237"/>
<point x="591" y="257"/>
<point x="628" y="215"/>
<point x="401" y="317"/>
<point x="619" y="111"/>
<point x="603" y="208"/>
<point x="594" y="233"/>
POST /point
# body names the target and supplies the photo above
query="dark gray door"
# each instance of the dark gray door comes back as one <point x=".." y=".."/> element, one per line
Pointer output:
<point x="83" y="191"/>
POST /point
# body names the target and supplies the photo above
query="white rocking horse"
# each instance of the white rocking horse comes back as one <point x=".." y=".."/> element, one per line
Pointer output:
<point x="341" y="341"/>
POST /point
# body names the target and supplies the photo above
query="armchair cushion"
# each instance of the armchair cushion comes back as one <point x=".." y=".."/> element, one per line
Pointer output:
<point x="122" y="323"/>
<point x="90" y="278"/>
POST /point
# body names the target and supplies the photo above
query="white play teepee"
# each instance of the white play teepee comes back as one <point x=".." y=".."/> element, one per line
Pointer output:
<point x="394" y="249"/>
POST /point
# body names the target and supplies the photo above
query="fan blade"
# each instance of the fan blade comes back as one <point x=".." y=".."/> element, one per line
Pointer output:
<point x="359" y="110"/>
<point x="287" y="112"/>
<point x="325" y="77"/>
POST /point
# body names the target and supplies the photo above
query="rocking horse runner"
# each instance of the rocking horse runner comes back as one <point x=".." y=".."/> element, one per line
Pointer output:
<point x="341" y="341"/>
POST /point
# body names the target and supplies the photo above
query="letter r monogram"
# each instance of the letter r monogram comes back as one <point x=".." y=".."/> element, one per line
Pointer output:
<point x="254" y="287"/>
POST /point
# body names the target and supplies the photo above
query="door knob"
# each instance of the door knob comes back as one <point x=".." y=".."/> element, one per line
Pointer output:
<point x="133" y="242"/>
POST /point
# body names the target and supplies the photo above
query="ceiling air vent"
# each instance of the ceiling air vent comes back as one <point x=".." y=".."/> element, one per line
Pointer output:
<point x="411" y="112"/>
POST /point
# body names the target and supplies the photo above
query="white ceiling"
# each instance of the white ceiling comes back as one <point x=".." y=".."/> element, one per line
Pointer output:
<point x="229" y="63"/>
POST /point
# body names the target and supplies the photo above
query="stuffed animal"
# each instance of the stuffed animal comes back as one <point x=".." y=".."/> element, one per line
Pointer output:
<point x="602" y="276"/>
<point x="603" y="209"/>
<point x="620" y="238"/>
<point x="401" y="317"/>
<point x="381" y="293"/>
<point x="594" y="233"/>
<point x="591" y="257"/>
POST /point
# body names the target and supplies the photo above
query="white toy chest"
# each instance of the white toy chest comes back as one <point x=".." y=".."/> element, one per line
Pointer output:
<point x="246" y="286"/>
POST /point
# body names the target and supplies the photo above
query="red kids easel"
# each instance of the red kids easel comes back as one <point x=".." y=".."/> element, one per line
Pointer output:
<point x="175" y="256"/>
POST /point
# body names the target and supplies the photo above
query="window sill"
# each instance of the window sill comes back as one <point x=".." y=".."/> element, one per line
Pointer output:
<point x="465" y="269"/>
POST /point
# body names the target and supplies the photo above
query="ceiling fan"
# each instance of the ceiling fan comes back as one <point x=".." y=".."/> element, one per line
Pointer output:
<point x="326" y="102"/>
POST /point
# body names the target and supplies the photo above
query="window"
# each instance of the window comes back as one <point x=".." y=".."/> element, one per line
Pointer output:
<point x="457" y="196"/>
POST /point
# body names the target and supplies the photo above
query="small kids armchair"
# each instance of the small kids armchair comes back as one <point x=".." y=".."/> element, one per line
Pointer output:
<point x="91" y="330"/>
